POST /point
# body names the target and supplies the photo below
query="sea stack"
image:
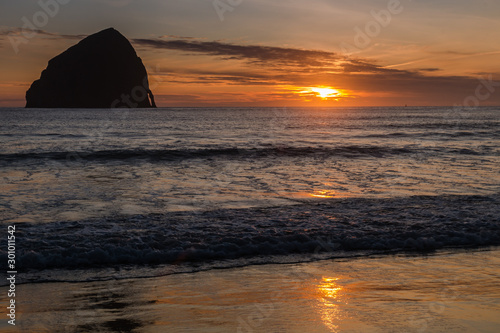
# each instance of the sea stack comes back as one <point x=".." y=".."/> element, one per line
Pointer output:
<point x="101" y="71"/>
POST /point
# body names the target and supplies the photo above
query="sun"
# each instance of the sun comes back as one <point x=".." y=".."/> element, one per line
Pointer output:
<point x="326" y="92"/>
<point x="322" y="92"/>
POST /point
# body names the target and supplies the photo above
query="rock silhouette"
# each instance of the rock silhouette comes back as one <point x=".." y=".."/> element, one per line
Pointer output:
<point x="101" y="71"/>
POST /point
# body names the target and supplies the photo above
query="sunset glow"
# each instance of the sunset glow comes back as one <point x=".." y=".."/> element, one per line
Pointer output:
<point x="197" y="56"/>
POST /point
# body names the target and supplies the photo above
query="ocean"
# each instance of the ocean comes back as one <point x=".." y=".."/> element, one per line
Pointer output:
<point x="117" y="193"/>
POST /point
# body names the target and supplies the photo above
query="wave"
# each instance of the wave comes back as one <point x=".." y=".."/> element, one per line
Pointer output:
<point x="452" y="124"/>
<point x="275" y="151"/>
<point x="179" y="154"/>
<point x="333" y="227"/>
<point x="59" y="135"/>
<point x="427" y="134"/>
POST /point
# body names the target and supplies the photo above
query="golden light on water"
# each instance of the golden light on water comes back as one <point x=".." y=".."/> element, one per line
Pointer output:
<point x="323" y="194"/>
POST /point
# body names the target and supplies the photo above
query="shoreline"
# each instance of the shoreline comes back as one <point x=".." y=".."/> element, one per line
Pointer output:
<point x="166" y="270"/>
<point x="455" y="290"/>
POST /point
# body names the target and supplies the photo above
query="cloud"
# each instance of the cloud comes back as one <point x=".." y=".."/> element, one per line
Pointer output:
<point x="178" y="37"/>
<point x="431" y="69"/>
<point x="20" y="32"/>
<point x="460" y="55"/>
<point x="251" y="53"/>
<point x="299" y="61"/>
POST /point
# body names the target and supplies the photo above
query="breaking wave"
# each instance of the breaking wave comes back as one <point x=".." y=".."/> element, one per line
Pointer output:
<point x="333" y="228"/>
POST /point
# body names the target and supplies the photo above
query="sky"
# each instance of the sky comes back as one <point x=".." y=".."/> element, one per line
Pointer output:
<point x="284" y="53"/>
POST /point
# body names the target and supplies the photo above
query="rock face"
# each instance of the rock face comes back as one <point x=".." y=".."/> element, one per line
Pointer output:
<point x="101" y="71"/>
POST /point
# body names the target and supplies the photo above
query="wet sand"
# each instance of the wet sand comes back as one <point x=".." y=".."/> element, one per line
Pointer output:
<point x="456" y="291"/>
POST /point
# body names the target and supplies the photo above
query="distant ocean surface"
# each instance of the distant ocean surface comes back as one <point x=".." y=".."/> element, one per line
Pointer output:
<point x="99" y="194"/>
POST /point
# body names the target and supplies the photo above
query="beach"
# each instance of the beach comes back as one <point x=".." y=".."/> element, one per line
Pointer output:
<point x="447" y="291"/>
<point x="251" y="219"/>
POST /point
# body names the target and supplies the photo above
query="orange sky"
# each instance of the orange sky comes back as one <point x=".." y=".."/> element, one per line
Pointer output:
<point x="256" y="53"/>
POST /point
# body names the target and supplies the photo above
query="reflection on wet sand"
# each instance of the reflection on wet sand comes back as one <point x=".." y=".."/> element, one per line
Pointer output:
<point x="330" y="295"/>
<point x="448" y="292"/>
<point x="107" y="308"/>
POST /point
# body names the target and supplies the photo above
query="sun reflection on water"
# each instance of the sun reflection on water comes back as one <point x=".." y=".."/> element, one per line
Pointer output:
<point x="323" y="194"/>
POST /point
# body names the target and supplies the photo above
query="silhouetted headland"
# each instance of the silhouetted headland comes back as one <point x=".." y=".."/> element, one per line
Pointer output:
<point x="101" y="71"/>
